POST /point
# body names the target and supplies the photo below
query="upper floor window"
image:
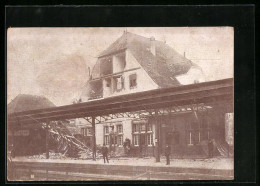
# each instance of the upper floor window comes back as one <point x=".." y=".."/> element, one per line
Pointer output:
<point x="132" y="80"/>
<point x="108" y="82"/>
<point x="119" y="82"/>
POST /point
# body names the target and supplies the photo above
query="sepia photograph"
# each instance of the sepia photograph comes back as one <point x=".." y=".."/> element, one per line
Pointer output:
<point x="120" y="103"/>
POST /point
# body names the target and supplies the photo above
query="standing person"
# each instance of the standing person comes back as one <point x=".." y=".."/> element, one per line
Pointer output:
<point x="210" y="148"/>
<point x="153" y="149"/>
<point x="141" y="150"/>
<point x="167" y="154"/>
<point x="10" y="171"/>
<point x="105" y="153"/>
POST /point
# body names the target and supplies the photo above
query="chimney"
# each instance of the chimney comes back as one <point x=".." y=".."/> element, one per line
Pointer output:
<point x="152" y="43"/>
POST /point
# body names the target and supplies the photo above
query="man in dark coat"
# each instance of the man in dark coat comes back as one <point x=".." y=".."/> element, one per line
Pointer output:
<point x="210" y="148"/>
<point x="167" y="154"/>
<point x="105" y="153"/>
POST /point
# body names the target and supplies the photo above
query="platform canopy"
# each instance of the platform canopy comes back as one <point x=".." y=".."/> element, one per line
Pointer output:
<point x="207" y="92"/>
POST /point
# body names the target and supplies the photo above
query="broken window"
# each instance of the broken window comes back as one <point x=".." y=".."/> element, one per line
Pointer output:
<point x="119" y="82"/>
<point x="106" y="66"/>
<point x="108" y="82"/>
<point x="132" y="80"/>
<point x="119" y="62"/>
<point x="96" y="90"/>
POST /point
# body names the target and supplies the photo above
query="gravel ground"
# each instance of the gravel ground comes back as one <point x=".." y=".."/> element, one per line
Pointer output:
<point x="213" y="163"/>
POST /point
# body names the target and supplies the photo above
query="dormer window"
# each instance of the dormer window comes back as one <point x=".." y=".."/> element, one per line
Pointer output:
<point x="106" y="66"/>
<point x="132" y="81"/>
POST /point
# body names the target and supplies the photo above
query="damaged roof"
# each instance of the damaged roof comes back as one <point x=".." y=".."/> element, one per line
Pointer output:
<point x="161" y="67"/>
<point x="24" y="102"/>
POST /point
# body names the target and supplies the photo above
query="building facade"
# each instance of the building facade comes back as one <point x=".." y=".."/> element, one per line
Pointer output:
<point x="134" y="64"/>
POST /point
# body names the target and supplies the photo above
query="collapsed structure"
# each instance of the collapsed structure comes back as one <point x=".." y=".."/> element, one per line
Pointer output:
<point x="65" y="138"/>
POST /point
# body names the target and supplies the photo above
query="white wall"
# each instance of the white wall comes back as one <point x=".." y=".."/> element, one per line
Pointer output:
<point x="127" y="129"/>
<point x="131" y="62"/>
<point x="99" y="134"/>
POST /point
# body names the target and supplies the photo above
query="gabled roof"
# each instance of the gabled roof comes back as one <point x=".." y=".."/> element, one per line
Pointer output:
<point x="161" y="67"/>
<point x="24" y="102"/>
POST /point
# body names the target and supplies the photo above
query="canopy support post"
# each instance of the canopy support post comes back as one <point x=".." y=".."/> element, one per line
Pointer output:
<point x="47" y="140"/>
<point x="157" y="136"/>
<point x="94" y="138"/>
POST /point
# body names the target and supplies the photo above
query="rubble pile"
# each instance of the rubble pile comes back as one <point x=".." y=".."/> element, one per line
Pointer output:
<point x="82" y="155"/>
<point x="116" y="154"/>
<point x="88" y="155"/>
<point x="52" y="155"/>
<point x="66" y="145"/>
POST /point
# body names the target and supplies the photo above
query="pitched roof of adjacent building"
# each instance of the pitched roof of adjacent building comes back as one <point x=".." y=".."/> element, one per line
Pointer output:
<point x="161" y="67"/>
<point x="24" y="102"/>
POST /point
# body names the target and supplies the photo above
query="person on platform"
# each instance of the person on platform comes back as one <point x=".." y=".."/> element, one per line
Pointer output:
<point x="167" y="154"/>
<point x="210" y="148"/>
<point x="105" y="153"/>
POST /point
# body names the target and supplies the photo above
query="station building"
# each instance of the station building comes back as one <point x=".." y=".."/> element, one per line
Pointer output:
<point x="134" y="63"/>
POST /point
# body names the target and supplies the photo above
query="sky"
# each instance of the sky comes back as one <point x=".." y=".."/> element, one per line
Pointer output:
<point x="54" y="62"/>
